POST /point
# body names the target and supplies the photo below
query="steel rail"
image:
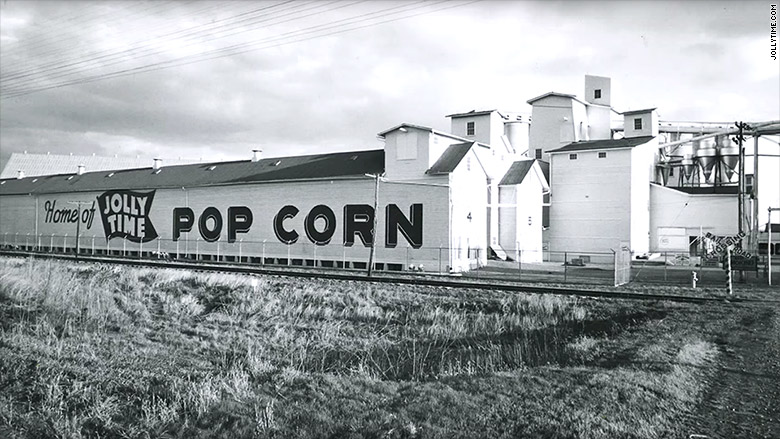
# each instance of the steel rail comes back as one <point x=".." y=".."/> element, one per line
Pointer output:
<point x="380" y="277"/>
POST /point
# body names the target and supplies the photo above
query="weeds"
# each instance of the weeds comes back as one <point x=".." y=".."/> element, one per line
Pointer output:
<point x="90" y="351"/>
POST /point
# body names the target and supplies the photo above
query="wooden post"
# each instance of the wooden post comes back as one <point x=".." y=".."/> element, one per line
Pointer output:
<point x="373" y="227"/>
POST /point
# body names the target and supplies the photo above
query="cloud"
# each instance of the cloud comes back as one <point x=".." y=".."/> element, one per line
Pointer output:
<point x="336" y="92"/>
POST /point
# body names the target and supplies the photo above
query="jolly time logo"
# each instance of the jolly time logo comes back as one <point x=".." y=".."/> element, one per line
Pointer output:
<point x="125" y="214"/>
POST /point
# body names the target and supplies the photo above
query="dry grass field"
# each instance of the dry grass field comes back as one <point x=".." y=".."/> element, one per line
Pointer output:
<point x="89" y="351"/>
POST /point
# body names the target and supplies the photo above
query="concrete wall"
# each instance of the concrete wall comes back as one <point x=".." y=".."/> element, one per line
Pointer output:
<point x="580" y="121"/>
<point x="18" y="215"/>
<point x="642" y="170"/>
<point x="649" y="124"/>
<point x="469" y="197"/>
<point x="690" y="215"/>
<point x="591" y="201"/>
<point x="488" y="128"/>
<point x="548" y="127"/>
<point x="598" y="82"/>
<point x="599" y="122"/>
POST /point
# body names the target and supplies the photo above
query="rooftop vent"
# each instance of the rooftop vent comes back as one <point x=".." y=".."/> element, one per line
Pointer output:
<point x="257" y="154"/>
<point x="80" y="169"/>
<point x="157" y="164"/>
<point x="211" y="168"/>
<point x="276" y="163"/>
<point x="110" y="174"/>
<point x="20" y="174"/>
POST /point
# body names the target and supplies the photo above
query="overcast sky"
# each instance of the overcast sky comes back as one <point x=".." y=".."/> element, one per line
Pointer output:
<point x="76" y="79"/>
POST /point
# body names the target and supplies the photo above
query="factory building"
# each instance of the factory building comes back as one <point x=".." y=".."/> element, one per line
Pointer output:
<point x="436" y="195"/>
<point x="577" y="176"/>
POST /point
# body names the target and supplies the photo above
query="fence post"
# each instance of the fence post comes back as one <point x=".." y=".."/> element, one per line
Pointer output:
<point x="93" y="245"/>
<point x="197" y="248"/>
<point x="519" y="263"/>
<point x="240" y="242"/>
<point x="440" y="260"/>
<point x="344" y="256"/>
<point x="124" y="248"/>
<point x="158" y="246"/>
<point x="728" y="268"/>
<point x="565" y="266"/>
<point x="141" y="249"/>
<point x="289" y="262"/>
<point x="108" y="247"/>
<point x="16" y="240"/>
<point x="665" y="264"/>
<point x="217" y="251"/>
<point x="262" y="262"/>
<point x="27" y="242"/>
<point x="315" y="255"/>
<point x="40" y="235"/>
<point x="65" y="243"/>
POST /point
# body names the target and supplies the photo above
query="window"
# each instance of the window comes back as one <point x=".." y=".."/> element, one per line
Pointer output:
<point x="406" y="146"/>
<point x="671" y="172"/>
<point x="638" y="123"/>
<point x="602" y="155"/>
<point x="572" y="156"/>
<point x="470" y="128"/>
<point x="468" y="163"/>
<point x="538" y="154"/>
<point x="597" y="93"/>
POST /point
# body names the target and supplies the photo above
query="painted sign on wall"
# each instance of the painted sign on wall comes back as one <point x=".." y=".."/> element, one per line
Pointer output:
<point x="125" y="214"/>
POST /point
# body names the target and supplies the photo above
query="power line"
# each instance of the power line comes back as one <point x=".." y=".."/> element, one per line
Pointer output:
<point x="277" y="41"/>
<point x="109" y="53"/>
<point x="14" y="88"/>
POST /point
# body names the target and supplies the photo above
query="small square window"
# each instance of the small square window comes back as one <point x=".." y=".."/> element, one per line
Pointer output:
<point x="538" y="154"/>
<point x="602" y="155"/>
<point x="638" y="123"/>
<point x="597" y="93"/>
<point x="470" y="128"/>
<point x="572" y="156"/>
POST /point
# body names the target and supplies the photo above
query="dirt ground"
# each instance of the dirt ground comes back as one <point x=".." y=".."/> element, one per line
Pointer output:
<point x="743" y="397"/>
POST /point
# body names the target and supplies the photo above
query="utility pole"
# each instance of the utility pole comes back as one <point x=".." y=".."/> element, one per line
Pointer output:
<point x="740" y="139"/>
<point x="754" y="228"/>
<point x="373" y="227"/>
<point x="769" y="243"/>
<point x="78" y="224"/>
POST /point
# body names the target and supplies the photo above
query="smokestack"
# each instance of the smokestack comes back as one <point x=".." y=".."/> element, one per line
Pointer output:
<point x="257" y="154"/>
<point x="157" y="164"/>
<point x="80" y="170"/>
<point x="19" y="174"/>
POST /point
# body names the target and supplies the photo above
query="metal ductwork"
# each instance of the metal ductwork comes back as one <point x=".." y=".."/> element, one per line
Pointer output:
<point x="688" y="165"/>
<point x="707" y="156"/>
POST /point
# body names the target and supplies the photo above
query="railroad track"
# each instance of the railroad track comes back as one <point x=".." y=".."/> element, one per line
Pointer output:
<point x="381" y="277"/>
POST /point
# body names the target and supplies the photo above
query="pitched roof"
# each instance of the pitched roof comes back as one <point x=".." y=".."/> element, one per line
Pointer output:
<point x="520" y="169"/>
<point x="450" y="158"/>
<point x="645" y="110"/>
<point x="474" y="113"/>
<point x="545" y="166"/>
<point x="49" y="164"/>
<point x="517" y="172"/>
<point x="589" y="145"/>
<point x="319" y="166"/>
<point x="422" y="128"/>
<point x="556" y="94"/>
